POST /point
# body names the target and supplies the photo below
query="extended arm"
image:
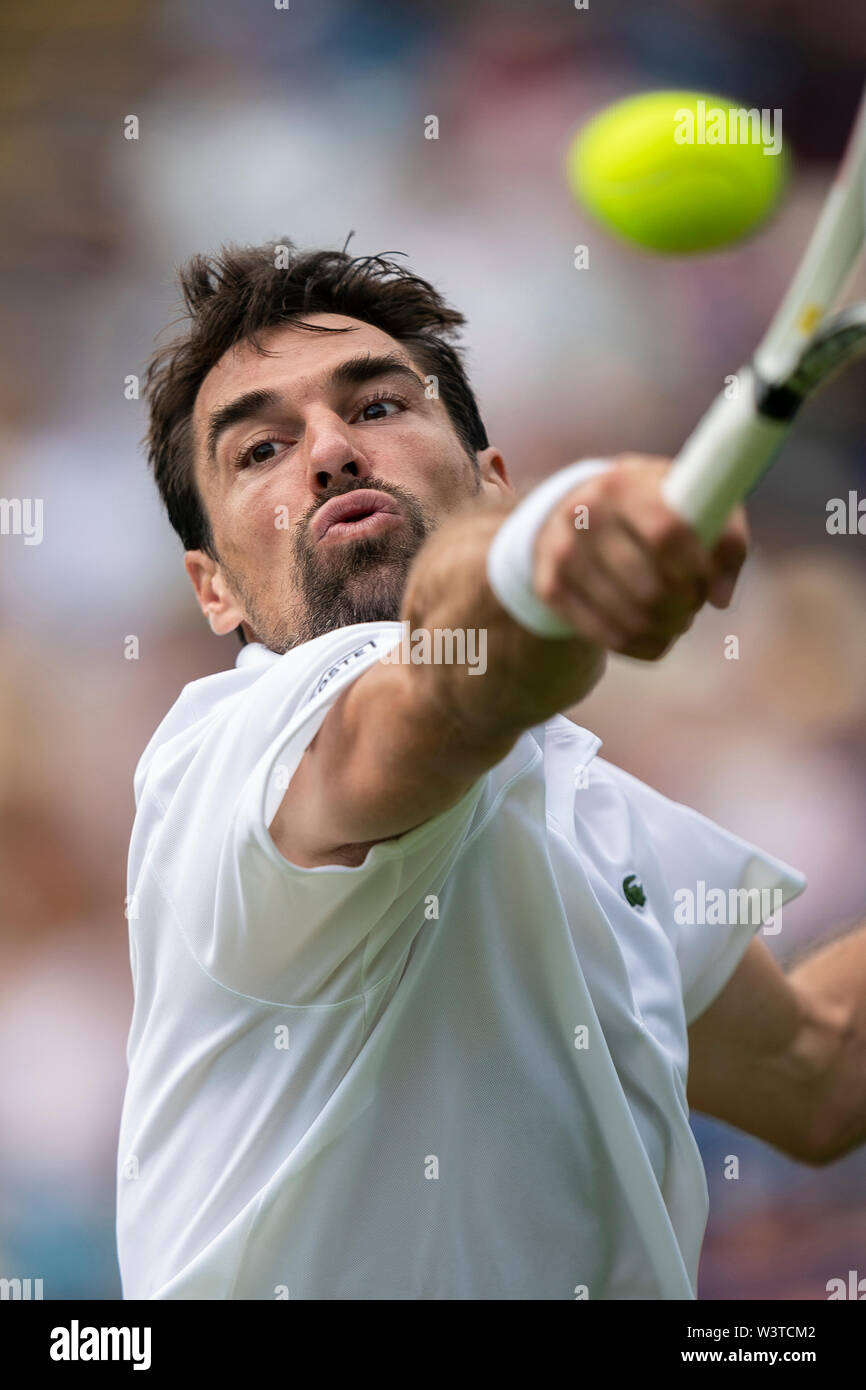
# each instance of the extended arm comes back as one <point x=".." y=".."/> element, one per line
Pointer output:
<point x="405" y="742"/>
<point x="782" y="1055"/>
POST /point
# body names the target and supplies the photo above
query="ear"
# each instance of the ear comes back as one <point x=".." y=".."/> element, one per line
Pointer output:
<point x="494" y="474"/>
<point x="216" y="599"/>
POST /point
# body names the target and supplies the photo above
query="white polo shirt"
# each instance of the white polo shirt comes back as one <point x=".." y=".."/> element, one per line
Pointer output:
<point x="456" y="1071"/>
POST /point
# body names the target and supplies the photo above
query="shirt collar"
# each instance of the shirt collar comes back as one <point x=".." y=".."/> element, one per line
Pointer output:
<point x="256" y="654"/>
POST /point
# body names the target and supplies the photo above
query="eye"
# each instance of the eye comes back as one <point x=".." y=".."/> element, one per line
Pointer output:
<point x="256" y="455"/>
<point x="257" y="452"/>
<point x="380" y="400"/>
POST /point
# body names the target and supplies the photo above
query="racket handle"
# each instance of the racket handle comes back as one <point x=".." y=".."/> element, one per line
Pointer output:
<point x="722" y="460"/>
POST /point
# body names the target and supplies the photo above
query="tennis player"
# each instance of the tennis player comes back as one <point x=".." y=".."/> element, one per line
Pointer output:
<point x="424" y="987"/>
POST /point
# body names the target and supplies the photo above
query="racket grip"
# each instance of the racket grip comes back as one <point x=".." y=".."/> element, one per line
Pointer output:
<point x="722" y="459"/>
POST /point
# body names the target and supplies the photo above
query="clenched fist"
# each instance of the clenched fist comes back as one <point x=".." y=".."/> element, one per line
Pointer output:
<point x="634" y="578"/>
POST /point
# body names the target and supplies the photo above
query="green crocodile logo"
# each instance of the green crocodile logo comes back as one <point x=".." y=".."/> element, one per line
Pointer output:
<point x="634" y="894"/>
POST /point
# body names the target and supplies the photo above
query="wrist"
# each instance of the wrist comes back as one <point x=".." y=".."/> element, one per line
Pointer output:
<point x="510" y="559"/>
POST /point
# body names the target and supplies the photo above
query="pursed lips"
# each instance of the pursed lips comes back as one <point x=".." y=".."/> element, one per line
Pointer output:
<point x="353" y="508"/>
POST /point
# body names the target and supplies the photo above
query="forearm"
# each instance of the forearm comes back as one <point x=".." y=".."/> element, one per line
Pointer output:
<point x="409" y="737"/>
<point x="834" y="978"/>
<point x="527" y="678"/>
<point x="406" y="740"/>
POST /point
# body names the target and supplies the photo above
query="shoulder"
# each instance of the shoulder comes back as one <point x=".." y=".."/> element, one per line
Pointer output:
<point x="251" y="701"/>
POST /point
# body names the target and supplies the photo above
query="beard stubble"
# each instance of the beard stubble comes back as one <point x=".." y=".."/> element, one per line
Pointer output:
<point x="354" y="581"/>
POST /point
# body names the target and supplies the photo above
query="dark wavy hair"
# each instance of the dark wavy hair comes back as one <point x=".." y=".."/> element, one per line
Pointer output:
<point x="235" y="295"/>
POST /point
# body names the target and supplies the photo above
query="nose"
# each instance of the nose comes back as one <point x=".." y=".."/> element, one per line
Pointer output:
<point x="333" y="456"/>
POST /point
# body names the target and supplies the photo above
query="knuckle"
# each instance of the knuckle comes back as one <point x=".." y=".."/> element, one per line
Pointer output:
<point x="561" y="554"/>
<point x="671" y="596"/>
<point x="649" y="589"/>
<point x="633" y="624"/>
<point x="604" y="494"/>
<point x="556" y="549"/>
<point x="586" y="624"/>
<point x="548" y="587"/>
<point x="612" y="483"/>
<point x="599" y="633"/>
<point x="688" y="591"/>
<point x="680" y="606"/>
<point x="665" y="531"/>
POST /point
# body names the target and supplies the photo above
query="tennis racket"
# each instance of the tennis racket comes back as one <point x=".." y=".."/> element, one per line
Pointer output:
<point x="742" y="432"/>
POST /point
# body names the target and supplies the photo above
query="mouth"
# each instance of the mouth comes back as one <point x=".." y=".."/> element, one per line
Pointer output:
<point x="364" y="512"/>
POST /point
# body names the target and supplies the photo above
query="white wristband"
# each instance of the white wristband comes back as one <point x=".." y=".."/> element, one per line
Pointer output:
<point x="510" y="557"/>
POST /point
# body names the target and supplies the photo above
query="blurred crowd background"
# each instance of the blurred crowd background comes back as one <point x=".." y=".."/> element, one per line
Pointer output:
<point x="308" y="122"/>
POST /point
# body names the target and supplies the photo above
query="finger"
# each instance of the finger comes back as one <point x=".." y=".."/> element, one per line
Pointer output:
<point x="612" y="573"/>
<point x="674" y="547"/>
<point x="624" y="580"/>
<point x="573" y="563"/>
<point x="628" y="502"/>
<point x="617" y="577"/>
<point x="728" y="556"/>
<point x="587" y="621"/>
<point x="627" y="564"/>
<point x="594" y="620"/>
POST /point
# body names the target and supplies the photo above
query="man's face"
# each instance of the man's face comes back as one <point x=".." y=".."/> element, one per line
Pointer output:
<point x="319" y="427"/>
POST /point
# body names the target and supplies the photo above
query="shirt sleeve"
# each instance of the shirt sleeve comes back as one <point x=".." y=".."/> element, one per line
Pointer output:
<point x="711" y="890"/>
<point x="312" y="935"/>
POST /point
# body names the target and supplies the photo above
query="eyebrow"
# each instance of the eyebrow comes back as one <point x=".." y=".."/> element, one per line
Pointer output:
<point x="355" y="371"/>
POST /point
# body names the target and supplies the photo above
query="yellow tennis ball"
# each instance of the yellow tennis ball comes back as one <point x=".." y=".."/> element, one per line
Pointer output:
<point x="679" y="171"/>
